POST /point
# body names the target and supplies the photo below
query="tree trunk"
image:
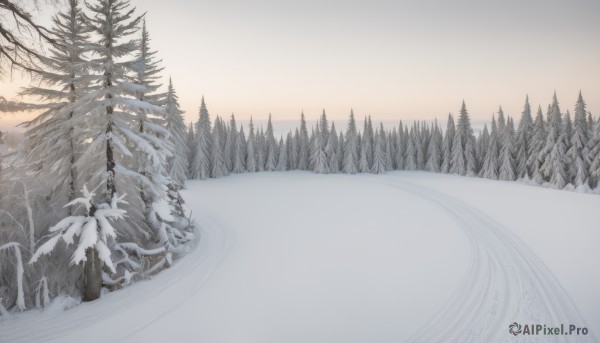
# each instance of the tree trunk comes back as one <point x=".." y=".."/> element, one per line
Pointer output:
<point x="93" y="275"/>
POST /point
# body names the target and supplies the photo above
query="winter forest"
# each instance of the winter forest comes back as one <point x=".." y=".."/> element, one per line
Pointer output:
<point x="551" y="149"/>
<point x="90" y="200"/>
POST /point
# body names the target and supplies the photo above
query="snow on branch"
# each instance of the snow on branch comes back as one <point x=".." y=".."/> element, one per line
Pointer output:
<point x="94" y="230"/>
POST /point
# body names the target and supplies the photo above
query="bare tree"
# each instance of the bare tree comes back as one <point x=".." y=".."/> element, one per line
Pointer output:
<point x="20" y="35"/>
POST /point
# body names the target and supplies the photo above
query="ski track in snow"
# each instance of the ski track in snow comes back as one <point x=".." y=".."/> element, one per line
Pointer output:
<point x="506" y="282"/>
<point x="174" y="285"/>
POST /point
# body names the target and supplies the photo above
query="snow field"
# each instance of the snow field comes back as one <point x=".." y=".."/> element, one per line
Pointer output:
<point x="299" y="257"/>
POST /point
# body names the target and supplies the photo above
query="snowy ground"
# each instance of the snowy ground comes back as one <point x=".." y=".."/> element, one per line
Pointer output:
<point x="299" y="257"/>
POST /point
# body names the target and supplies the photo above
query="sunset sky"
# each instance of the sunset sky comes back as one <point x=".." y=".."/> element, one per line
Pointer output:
<point x="390" y="59"/>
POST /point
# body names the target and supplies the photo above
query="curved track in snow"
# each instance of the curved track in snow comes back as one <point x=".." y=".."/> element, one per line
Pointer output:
<point x="136" y="305"/>
<point x="506" y="282"/>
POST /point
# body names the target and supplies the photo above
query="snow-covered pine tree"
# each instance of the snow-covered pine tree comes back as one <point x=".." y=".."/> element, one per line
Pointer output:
<point x="393" y="141"/>
<point x="95" y="233"/>
<point x="568" y="128"/>
<point x="507" y="163"/>
<point x="538" y="140"/>
<point x="490" y="167"/>
<point x="482" y="146"/>
<point x="389" y="162"/>
<point x="369" y="140"/>
<point x="111" y="137"/>
<point x="230" y="144"/>
<point x="501" y="123"/>
<point x="420" y="154"/>
<point x="201" y="168"/>
<point x="251" y="150"/>
<point x="400" y="148"/>
<point x="331" y="150"/>
<point x="304" y="148"/>
<point x="522" y="144"/>
<point x="366" y="149"/>
<point x="447" y="144"/>
<point x="289" y="147"/>
<point x="318" y="157"/>
<point x="379" y="155"/>
<point x="147" y="73"/>
<point x="51" y="136"/>
<point x="553" y="153"/>
<point x="425" y="137"/>
<point x="579" y="141"/>
<point x="324" y="126"/>
<point x="270" y="162"/>
<point x="351" y="148"/>
<point x="458" y="163"/>
<point x="593" y="154"/>
<point x="294" y="150"/>
<point x="434" y="150"/>
<point x="463" y="157"/>
<point x="282" y="159"/>
<point x="152" y="127"/>
<point x="410" y="160"/>
<point x="363" y="162"/>
<point x="260" y="150"/>
<point x="313" y="155"/>
<point x="218" y="168"/>
<point x="340" y="150"/>
<point x="470" y="153"/>
<point x="239" y="156"/>
<point x="177" y="163"/>
<point x="191" y="148"/>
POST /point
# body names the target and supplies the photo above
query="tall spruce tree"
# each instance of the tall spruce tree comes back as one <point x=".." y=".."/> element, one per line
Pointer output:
<point x="463" y="148"/>
<point x="191" y="148"/>
<point x="201" y="168"/>
<point x="490" y="163"/>
<point x="538" y="140"/>
<point x="447" y="144"/>
<point x="239" y="155"/>
<point x="522" y="144"/>
<point x="304" y="147"/>
<point x="593" y="155"/>
<point x="289" y="146"/>
<point x="482" y="146"/>
<point x="400" y="148"/>
<point x="410" y="160"/>
<point x="434" y="150"/>
<point x="271" y="158"/>
<point x="282" y="159"/>
<point x="318" y="157"/>
<point x="553" y="154"/>
<point x="52" y="136"/>
<point x="177" y="163"/>
<point x="351" y="148"/>
<point x="379" y="155"/>
<point x="579" y="140"/>
<point x="331" y="150"/>
<point x="294" y="150"/>
<point x="230" y="144"/>
<point x="218" y="168"/>
<point x="251" y="150"/>
<point x="112" y="140"/>
<point x="507" y="163"/>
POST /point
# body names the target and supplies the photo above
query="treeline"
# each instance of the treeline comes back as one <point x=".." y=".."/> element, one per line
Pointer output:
<point x="554" y="149"/>
<point x="90" y="200"/>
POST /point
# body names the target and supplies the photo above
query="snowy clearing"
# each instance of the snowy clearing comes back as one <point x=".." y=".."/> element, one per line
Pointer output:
<point x="299" y="257"/>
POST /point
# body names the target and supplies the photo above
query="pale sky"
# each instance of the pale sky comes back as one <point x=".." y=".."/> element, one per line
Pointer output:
<point x="390" y="59"/>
